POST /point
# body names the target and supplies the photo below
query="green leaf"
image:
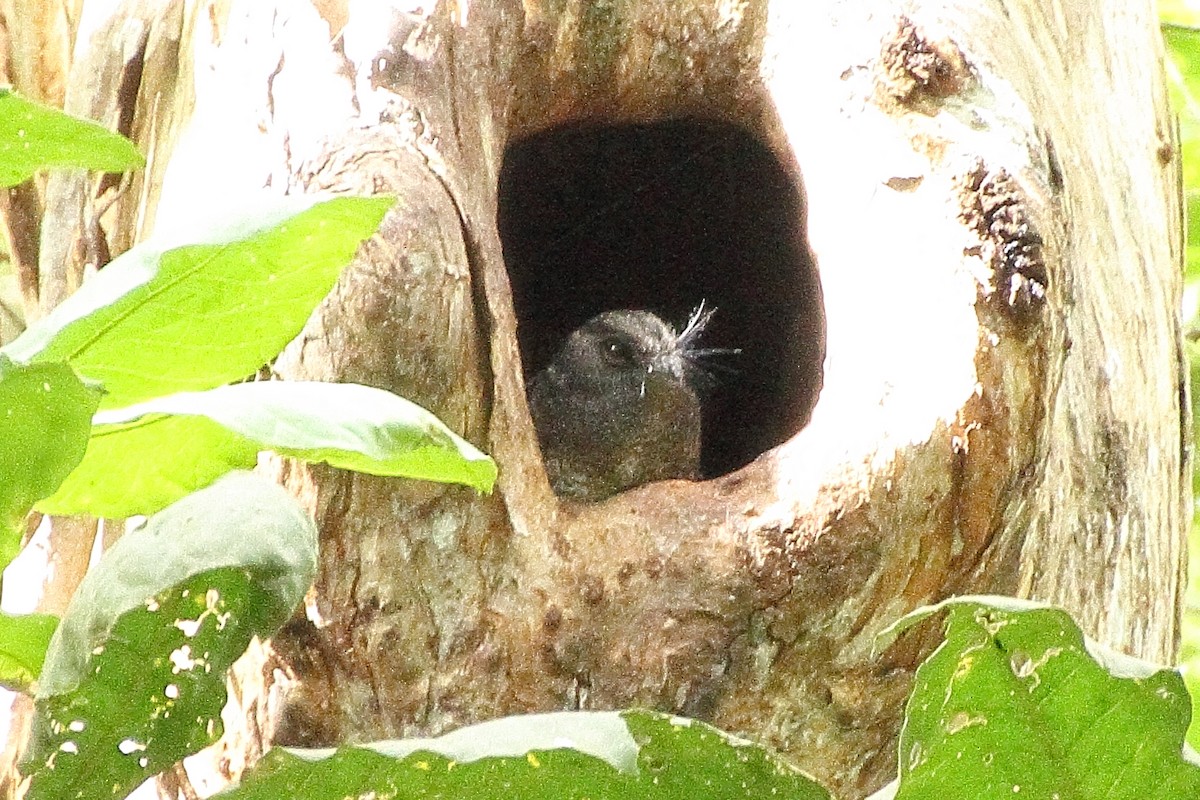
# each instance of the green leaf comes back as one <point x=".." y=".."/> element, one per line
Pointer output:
<point x="1178" y="13"/>
<point x="1189" y="646"/>
<point x="134" y="678"/>
<point x="23" y="643"/>
<point x="596" y="755"/>
<point x="344" y="424"/>
<point x="172" y="316"/>
<point x="140" y="460"/>
<point x="1015" y="703"/>
<point x="1183" y="71"/>
<point x="1192" y="245"/>
<point x="144" y="467"/>
<point x="34" y="136"/>
<point x="45" y="419"/>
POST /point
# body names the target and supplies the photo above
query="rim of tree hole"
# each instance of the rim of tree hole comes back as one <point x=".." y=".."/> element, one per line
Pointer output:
<point x="661" y="216"/>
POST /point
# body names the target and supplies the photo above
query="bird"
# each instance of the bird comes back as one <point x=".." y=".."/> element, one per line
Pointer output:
<point x="620" y="404"/>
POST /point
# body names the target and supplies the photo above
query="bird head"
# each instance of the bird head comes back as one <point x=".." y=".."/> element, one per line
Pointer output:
<point x="623" y="346"/>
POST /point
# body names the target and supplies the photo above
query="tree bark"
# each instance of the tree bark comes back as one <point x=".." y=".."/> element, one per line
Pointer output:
<point x="982" y="284"/>
<point x="61" y="226"/>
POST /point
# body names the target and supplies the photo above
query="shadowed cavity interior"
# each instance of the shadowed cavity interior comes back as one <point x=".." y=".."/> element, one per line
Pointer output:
<point x="659" y="217"/>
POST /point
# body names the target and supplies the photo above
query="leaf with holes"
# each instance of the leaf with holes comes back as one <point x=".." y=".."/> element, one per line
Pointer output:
<point x="134" y="678"/>
<point x="1016" y="703"/>
<point x="34" y="136"/>
<point x="598" y="755"/>
<point x="193" y="311"/>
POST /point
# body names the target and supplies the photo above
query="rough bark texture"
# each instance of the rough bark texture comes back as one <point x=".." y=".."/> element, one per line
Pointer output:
<point x="990" y="200"/>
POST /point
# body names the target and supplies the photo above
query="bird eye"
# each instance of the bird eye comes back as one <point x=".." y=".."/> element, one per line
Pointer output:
<point x="617" y="352"/>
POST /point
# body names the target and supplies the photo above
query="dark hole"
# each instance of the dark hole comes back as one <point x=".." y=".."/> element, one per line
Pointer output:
<point x="658" y="217"/>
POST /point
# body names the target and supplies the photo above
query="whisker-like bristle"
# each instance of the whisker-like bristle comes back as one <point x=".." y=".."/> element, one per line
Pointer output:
<point x="700" y="362"/>
<point x="704" y="352"/>
<point x="702" y="367"/>
<point x="695" y="326"/>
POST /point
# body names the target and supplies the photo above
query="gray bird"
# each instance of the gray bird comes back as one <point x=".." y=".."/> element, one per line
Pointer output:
<point x="619" y="405"/>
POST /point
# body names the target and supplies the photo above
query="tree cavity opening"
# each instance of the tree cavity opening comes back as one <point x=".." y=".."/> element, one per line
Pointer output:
<point x="659" y="217"/>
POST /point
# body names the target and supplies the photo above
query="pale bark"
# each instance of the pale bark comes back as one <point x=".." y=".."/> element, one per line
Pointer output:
<point x="71" y="222"/>
<point x="991" y="202"/>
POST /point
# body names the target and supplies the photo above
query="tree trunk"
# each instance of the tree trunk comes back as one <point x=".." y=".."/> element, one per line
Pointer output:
<point x="947" y="244"/>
